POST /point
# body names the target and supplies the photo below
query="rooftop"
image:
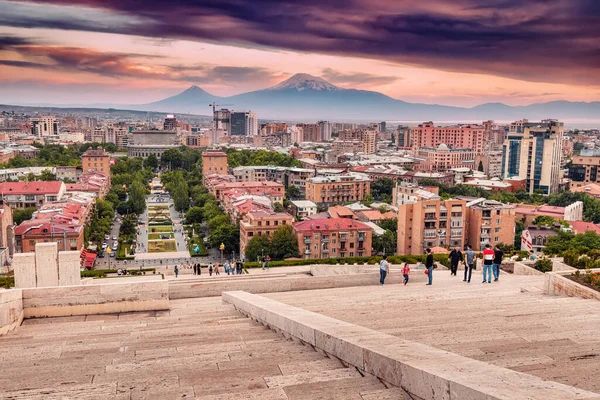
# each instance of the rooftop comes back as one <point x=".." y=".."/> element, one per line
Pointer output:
<point x="36" y="187"/>
<point x="330" y="224"/>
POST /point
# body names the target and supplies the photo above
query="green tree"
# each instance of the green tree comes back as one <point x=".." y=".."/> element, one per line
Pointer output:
<point x="137" y="197"/>
<point x="218" y="220"/>
<point x="284" y="243"/>
<point x="47" y="175"/>
<point x="389" y="224"/>
<point x="543" y="220"/>
<point x="582" y="243"/>
<point x="151" y="162"/>
<point x="382" y="187"/>
<point x="22" y="215"/>
<point x="229" y="235"/>
<point x="172" y="158"/>
<point x="277" y="207"/>
<point x="292" y="192"/>
<point x="193" y="215"/>
<point x="181" y="197"/>
<point x="519" y="228"/>
<point x="480" y="166"/>
<point x="386" y="243"/>
<point x="257" y="247"/>
<point x="368" y="200"/>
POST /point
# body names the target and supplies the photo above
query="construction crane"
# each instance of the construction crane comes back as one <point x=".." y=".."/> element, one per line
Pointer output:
<point x="215" y="105"/>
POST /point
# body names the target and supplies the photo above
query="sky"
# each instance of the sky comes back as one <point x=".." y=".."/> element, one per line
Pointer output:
<point x="455" y="52"/>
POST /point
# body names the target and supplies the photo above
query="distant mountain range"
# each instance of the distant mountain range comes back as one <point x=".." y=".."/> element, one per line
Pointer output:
<point x="306" y="97"/>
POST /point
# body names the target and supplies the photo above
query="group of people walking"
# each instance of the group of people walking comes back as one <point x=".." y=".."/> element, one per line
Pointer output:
<point x="230" y="268"/>
<point x="492" y="259"/>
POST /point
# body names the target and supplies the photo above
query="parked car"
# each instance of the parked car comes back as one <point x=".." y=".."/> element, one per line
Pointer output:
<point x="112" y="254"/>
<point x="104" y="245"/>
<point x="106" y="237"/>
<point x="115" y="237"/>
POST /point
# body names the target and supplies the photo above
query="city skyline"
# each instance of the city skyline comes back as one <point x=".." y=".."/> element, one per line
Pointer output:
<point x="460" y="53"/>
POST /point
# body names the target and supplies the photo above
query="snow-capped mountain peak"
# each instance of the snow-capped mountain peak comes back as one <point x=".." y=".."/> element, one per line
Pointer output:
<point x="301" y="82"/>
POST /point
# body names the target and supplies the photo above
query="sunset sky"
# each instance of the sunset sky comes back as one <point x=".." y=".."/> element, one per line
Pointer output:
<point x="457" y="52"/>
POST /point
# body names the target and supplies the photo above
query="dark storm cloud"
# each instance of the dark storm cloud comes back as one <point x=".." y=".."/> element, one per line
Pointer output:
<point x="7" y="42"/>
<point x="537" y="40"/>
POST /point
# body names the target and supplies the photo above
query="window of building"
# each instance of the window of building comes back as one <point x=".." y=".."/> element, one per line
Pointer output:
<point x="496" y="239"/>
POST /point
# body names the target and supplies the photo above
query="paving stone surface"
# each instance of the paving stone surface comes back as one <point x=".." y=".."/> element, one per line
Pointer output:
<point x="200" y="349"/>
<point x="555" y="338"/>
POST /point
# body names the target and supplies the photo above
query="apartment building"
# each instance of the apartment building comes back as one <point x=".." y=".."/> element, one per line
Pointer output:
<point x="96" y="160"/>
<point x="44" y="126"/>
<point x="584" y="168"/>
<point x="31" y="194"/>
<point x="303" y="208"/>
<point x="490" y="163"/>
<point x="443" y="158"/>
<point x="431" y="223"/>
<point x="263" y="222"/>
<point x="370" y="142"/>
<point x="489" y="222"/>
<point x="533" y="151"/>
<point x="337" y="189"/>
<point x="287" y="176"/>
<point x="214" y="162"/>
<point x="455" y="136"/>
<point x="406" y="192"/>
<point x="333" y="237"/>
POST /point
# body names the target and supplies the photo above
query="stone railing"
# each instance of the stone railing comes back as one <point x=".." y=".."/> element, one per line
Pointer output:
<point x="11" y="310"/>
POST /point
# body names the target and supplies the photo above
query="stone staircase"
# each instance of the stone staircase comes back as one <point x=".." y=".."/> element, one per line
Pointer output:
<point x="200" y="349"/>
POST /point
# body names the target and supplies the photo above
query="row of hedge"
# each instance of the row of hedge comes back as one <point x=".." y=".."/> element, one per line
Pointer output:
<point x="441" y="258"/>
<point x="101" y="273"/>
<point x="7" y="282"/>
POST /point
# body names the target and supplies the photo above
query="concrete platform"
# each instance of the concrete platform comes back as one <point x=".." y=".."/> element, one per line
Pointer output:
<point x="554" y="338"/>
<point x="199" y="349"/>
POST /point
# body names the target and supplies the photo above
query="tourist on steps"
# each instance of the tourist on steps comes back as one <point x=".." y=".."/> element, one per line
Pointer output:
<point x="455" y="257"/>
<point x="405" y="272"/>
<point x="384" y="269"/>
<point x="498" y="255"/>
<point x="488" y="261"/>
<point x="176" y="271"/>
<point x="469" y="263"/>
<point x="429" y="266"/>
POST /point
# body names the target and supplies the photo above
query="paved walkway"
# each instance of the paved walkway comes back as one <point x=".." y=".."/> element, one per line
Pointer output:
<point x="555" y="338"/>
<point x="199" y="349"/>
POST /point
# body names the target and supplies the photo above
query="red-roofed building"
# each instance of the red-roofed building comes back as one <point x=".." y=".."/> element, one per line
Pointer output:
<point x="333" y="237"/>
<point x="91" y="182"/>
<point x="274" y="190"/>
<point x="61" y="222"/>
<point x="31" y="194"/>
<point x="572" y="212"/>
<point x="375" y="216"/>
<point x="341" y="212"/>
<point x="263" y="222"/>
<point x="68" y="237"/>
<point x="241" y="207"/>
<point x="583" y="227"/>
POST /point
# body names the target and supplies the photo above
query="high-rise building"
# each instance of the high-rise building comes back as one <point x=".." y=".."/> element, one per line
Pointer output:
<point x="243" y="123"/>
<point x="310" y="132"/>
<point x="454" y="136"/>
<point x="402" y="136"/>
<point x="214" y="162"/>
<point x="370" y="142"/>
<point x="533" y="151"/>
<point x="383" y="126"/>
<point x="170" y="123"/>
<point x="585" y="168"/>
<point x="222" y="119"/>
<point x="44" y="126"/>
<point x="326" y="130"/>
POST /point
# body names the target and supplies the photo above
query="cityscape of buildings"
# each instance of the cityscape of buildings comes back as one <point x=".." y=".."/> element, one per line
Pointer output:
<point x="338" y="165"/>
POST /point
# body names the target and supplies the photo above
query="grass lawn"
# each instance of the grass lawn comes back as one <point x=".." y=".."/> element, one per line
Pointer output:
<point x="161" y="246"/>
<point x="158" y="207"/>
